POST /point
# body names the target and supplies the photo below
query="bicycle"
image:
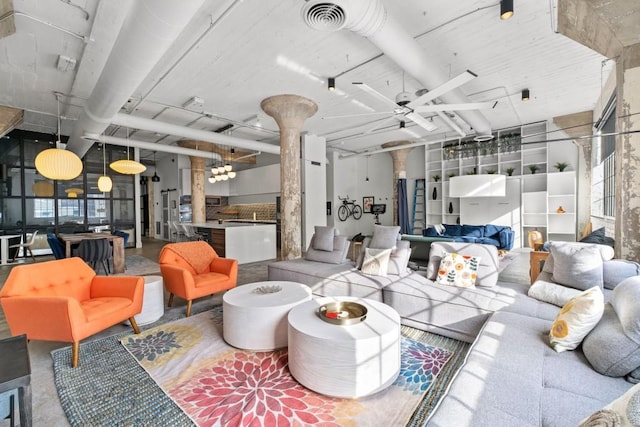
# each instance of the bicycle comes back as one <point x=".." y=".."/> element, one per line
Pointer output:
<point x="349" y="208"/>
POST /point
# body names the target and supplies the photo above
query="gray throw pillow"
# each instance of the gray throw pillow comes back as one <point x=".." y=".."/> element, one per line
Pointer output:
<point x="336" y="256"/>
<point x="578" y="267"/>
<point x="399" y="258"/>
<point x="613" y="346"/>
<point x="365" y="245"/>
<point x="323" y="238"/>
<point x="616" y="270"/>
<point x="384" y="236"/>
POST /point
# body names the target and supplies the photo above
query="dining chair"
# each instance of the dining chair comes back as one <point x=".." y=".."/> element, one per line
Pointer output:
<point x="25" y="246"/>
<point x="174" y="228"/>
<point x="93" y="251"/>
<point x="190" y="233"/>
<point x="56" y="246"/>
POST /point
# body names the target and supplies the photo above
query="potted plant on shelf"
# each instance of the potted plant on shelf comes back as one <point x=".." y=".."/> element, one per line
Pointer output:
<point x="436" y="178"/>
<point x="561" y="166"/>
<point x="491" y="171"/>
<point x="533" y="168"/>
<point x="509" y="171"/>
<point x="451" y="174"/>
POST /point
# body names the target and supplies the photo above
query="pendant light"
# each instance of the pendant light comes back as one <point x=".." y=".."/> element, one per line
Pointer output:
<point x="128" y="167"/>
<point x="227" y="166"/>
<point x="42" y="188"/>
<point x="367" y="177"/>
<point x="56" y="163"/>
<point x="155" y="177"/>
<point x="104" y="182"/>
<point x="72" y="192"/>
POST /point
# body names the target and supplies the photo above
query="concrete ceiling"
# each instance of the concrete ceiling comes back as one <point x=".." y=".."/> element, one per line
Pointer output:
<point x="235" y="53"/>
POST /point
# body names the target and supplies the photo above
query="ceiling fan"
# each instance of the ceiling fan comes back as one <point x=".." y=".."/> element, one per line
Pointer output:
<point x="403" y="108"/>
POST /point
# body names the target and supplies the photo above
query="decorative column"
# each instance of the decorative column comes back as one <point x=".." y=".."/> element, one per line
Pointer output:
<point x="197" y="190"/>
<point x="399" y="157"/>
<point x="290" y="112"/>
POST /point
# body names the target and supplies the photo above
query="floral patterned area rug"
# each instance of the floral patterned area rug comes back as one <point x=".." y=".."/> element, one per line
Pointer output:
<point x="216" y="384"/>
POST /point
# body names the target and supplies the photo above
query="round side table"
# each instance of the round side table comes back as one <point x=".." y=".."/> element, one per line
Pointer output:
<point x="152" y="302"/>
<point x="347" y="361"/>
<point x="254" y="316"/>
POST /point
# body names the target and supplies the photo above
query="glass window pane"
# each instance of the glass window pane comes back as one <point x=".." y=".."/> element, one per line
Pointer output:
<point x="11" y="214"/>
<point x="122" y="186"/>
<point x="123" y="212"/>
<point x="70" y="211"/>
<point x="98" y="211"/>
<point x="31" y="149"/>
<point x="40" y="212"/>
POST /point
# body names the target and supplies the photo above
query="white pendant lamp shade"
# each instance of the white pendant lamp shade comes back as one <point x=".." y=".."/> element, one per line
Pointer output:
<point x="56" y="163"/>
<point x="105" y="184"/>
<point x="42" y="188"/>
<point x="221" y="169"/>
<point x="212" y="179"/>
<point x="214" y="170"/>
<point x="224" y="177"/>
<point x="128" y="167"/>
<point x="232" y="175"/>
<point x="228" y="167"/>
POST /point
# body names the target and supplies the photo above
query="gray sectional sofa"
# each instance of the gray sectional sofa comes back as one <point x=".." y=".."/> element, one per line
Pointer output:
<point x="511" y="375"/>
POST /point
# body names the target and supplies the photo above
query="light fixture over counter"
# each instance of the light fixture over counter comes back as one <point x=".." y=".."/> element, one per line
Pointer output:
<point x="506" y="9"/>
<point x="128" y="167"/>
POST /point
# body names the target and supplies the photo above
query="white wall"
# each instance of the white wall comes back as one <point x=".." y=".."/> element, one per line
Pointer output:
<point x="314" y="185"/>
<point x="349" y="179"/>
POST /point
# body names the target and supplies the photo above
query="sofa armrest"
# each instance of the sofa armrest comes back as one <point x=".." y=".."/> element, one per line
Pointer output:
<point x="117" y="286"/>
<point x="506" y="238"/>
<point x="536" y="261"/>
<point x="49" y="318"/>
<point x="226" y="266"/>
<point x="177" y="280"/>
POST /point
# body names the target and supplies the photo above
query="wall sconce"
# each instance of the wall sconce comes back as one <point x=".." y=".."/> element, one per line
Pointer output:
<point x="506" y="9"/>
<point x="525" y="95"/>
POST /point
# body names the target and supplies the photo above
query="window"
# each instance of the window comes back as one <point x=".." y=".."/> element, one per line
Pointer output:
<point x="604" y="157"/>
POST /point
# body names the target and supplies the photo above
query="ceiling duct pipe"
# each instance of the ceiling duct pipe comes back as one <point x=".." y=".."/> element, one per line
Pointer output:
<point x="152" y="146"/>
<point x="190" y="133"/>
<point x="370" y="19"/>
<point x="150" y="28"/>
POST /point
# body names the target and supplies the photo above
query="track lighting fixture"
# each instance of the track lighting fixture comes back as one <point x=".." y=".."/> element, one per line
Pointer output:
<point x="402" y="124"/>
<point x="331" y="85"/>
<point x="525" y="95"/>
<point x="155" y="177"/>
<point x="506" y="9"/>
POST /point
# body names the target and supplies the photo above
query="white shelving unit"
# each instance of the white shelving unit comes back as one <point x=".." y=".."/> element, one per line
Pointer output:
<point x="540" y="193"/>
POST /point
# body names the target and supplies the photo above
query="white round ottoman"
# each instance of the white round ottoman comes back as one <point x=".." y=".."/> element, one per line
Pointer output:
<point x="347" y="361"/>
<point x="152" y="302"/>
<point x="254" y="316"/>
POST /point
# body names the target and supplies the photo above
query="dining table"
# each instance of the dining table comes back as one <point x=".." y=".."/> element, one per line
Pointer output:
<point x="116" y="241"/>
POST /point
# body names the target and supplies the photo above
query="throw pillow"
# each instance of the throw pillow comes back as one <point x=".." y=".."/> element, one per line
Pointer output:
<point x="598" y="236"/>
<point x="376" y="261"/>
<point x="458" y="270"/>
<point x="579" y="267"/>
<point x="613" y="347"/>
<point x="551" y="292"/>
<point x="617" y="270"/>
<point x="384" y="236"/>
<point x="576" y="319"/>
<point x="337" y="256"/>
<point x="399" y="258"/>
<point x="323" y="238"/>
<point x="624" y="411"/>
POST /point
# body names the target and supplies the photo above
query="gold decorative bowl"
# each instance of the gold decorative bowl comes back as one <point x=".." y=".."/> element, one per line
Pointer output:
<point x="342" y="312"/>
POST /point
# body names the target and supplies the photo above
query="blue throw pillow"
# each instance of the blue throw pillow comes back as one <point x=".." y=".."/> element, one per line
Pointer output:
<point x="491" y="230"/>
<point x="452" y="230"/>
<point x="472" y="231"/>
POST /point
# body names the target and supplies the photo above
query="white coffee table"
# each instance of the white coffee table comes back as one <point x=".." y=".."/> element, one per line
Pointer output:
<point x="152" y="301"/>
<point x="254" y="316"/>
<point x="344" y="361"/>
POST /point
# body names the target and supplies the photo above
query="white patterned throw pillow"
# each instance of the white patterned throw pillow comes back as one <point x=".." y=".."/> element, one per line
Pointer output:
<point x="458" y="270"/>
<point x="376" y="261"/>
<point x="576" y="319"/>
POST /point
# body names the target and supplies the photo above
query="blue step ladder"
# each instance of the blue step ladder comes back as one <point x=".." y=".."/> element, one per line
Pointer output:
<point x="418" y="214"/>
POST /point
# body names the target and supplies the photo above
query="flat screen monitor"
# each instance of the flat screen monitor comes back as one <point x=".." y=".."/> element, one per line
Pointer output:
<point x="378" y="209"/>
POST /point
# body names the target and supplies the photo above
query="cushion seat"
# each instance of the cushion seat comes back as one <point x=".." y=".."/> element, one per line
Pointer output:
<point x="207" y="279"/>
<point x="97" y="308"/>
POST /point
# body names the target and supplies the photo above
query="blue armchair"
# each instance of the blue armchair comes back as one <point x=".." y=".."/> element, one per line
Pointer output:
<point x="56" y="246"/>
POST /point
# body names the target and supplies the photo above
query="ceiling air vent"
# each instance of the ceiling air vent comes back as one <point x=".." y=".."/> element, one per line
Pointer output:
<point x="323" y="16"/>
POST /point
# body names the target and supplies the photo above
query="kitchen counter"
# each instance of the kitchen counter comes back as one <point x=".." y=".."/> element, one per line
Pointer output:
<point x="245" y="242"/>
<point x="252" y="221"/>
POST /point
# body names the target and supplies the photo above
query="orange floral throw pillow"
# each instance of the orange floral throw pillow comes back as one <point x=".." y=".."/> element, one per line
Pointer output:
<point x="576" y="319"/>
<point x="458" y="270"/>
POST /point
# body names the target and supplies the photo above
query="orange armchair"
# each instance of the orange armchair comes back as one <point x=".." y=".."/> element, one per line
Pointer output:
<point x="192" y="270"/>
<point x="64" y="300"/>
